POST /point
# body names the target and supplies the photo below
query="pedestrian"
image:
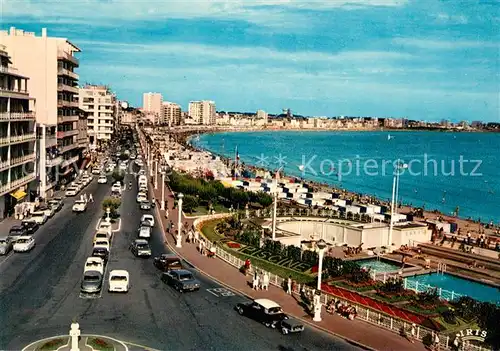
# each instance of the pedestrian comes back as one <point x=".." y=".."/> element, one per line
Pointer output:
<point x="289" y="286"/>
<point x="91" y="198"/>
<point x="166" y="213"/>
<point x="196" y="236"/>
<point x="435" y="342"/>
<point x="200" y="247"/>
<point x="190" y="237"/>
<point x="265" y="281"/>
<point x="255" y="282"/>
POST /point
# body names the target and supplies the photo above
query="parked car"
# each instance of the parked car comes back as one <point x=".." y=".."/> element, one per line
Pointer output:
<point x="167" y="262"/>
<point x="16" y="232"/>
<point x="49" y="211"/>
<point x="270" y="314"/>
<point x="94" y="264"/>
<point x="101" y="235"/>
<point x="30" y="225"/>
<point x="24" y="244"/>
<point x="79" y="206"/>
<point x="101" y="252"/>
<point x="140" y="248"/>
<point x="145" y="232"/>
<point x="119" y="281"/>
<point x="6" y="245"/>
<point x="96" y="171"/>
<point x="181" y="280"/>
<point x="105" y="226"/>
<point x="39" y="216"/>
<point x="72" y="191"/>
<point x="56" y="203"/>
<point x="104" y="243"/>
<point x="141" y="197"/>
<point x="91" y="282"/>
<point x="102" y="179"/>
<point x="145" y="205"/>
<point x="149" y="218"/>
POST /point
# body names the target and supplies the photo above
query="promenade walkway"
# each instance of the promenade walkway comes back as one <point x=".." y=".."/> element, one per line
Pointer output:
<point x="357" y="332"/>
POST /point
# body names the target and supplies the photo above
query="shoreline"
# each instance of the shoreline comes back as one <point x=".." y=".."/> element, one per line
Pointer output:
<point x="475" y="227"/>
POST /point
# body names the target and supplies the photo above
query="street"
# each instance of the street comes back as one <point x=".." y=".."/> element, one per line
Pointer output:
<point x="40" y="293"/>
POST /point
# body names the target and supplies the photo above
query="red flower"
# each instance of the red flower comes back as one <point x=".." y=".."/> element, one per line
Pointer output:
<point x="234" y="245"/>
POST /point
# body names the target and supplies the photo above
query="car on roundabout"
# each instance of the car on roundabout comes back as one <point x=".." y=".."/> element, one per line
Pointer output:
<point x="94" y="264"/>
<point x="140" y="248"/>
<point x="181" y="280"/>
<point x="24" y="244"/>
<point x="270" y="314"/>
<point x="119" y="281"/>
<point x="79" y="206"/>
<point x="91" y="282"/>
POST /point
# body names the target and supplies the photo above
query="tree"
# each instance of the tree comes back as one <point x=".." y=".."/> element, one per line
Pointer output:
<point x="190" y="203"/>
<point x="118" y="176"/>
<point x="113" y="204"/>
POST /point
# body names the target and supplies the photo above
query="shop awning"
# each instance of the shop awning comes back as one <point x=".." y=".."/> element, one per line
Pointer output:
<point x="18" y="194"/>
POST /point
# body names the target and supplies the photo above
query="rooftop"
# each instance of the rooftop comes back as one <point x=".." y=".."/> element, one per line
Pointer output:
<point x="267" y="304"/>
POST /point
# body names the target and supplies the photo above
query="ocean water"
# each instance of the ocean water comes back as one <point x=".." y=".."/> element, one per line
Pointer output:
<point x="444" y="170"/>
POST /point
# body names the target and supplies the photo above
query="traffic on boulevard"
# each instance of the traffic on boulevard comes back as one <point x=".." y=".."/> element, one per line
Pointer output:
<point x="98" y="255"/>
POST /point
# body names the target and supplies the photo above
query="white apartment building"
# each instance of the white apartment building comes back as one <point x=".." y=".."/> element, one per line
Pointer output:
<point x="261" y="114"/>
<point x="50" y="63"/>
<point x="152" y="103"/>
<point x="203" y="112"/>
<point x="100" y="106"/>
<point x="17" y="137"/>
<point x="171" y="114"/>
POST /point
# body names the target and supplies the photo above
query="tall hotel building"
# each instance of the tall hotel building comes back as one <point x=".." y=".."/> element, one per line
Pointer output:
<point x="50" y="64"/>
<point x="171" y="114"/>
<point x="17" y="137"/>
<point x="100" y="106"/>
<point x="203" y="112"/>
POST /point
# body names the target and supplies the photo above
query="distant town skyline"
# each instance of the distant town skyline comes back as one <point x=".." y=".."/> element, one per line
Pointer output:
<point x="421" y="60"/>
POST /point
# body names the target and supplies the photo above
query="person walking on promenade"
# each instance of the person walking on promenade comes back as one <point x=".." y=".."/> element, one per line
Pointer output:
<point x="265" y="281"/>
<point x="196" y="236"/>
<point x="255" y="282"/>
<point x="166" y="213"/>
<point x="289" y="286"/>
<point x="91" y="198"/>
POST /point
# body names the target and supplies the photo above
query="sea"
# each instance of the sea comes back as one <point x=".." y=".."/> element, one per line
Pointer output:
<point x="442" y="171"/>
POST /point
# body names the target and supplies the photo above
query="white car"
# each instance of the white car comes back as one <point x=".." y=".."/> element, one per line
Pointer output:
<point x="102" y="179"/>
<point x="123" y="166"/>
<point x="94" y="264"/>
<point x="24" y="244"/>
<point x="39" y="216"/>
<point x="141" y="197"/>
<point x="145" y="232"/>
<point x="72" y="191"/>
<point x="105" y="226"/>
<point x="116" y="188"/>
<point x="119" y="281"/>
<point x="80" y="206"/>
<point x="96" y="171"/>
<point x="149" y="218"/>
<point x="102" y="243"/>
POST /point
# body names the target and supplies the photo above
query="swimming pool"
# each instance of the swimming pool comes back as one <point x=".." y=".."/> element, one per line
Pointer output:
<point x="378" y="265"/>
<point x="449" y="282"/>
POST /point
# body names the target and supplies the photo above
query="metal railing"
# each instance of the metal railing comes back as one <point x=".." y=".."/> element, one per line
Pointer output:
<point x="369" y="315"/>
<point x="21" y="159"/>
<point x="6" y="116"/>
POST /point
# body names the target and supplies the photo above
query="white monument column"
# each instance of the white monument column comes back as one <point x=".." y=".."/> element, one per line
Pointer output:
<point x="179" y="222"/>
<point x="163" y="191"/>
<point x="317" y="308"/>
<point x="74" y="333"/>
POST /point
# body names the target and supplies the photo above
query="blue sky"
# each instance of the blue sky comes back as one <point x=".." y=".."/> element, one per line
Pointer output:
<point x="425" y="59"/>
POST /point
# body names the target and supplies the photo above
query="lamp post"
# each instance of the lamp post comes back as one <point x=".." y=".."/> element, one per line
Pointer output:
<point x="156" y="174"/>
<point x="275" y="204"/>
<point x="321" y="245"/>
<point x="108" y="212"/>
<point x="163" y="189"/>
<point x="179" y="222"/>
<point x="395" y="191"/>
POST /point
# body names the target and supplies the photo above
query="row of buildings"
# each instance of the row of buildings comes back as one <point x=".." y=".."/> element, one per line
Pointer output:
<point x="48" y="124"/>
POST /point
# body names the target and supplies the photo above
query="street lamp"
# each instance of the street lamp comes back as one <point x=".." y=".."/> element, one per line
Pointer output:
<point x="321" y="245"/>
<point x="108" y="212"/>
<point x="163" y="188"/>
<point x="395" y="190"/>
<point x="275" y="204"/>
<point x="179" y="222"/>
<point x="156" y="174"/>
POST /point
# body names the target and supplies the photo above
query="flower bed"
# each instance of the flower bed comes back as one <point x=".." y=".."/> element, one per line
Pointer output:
<point x="53" y="344"/>
<point x="394" y="297"/>
<point x="233" y="245"/>
<point x="100" y="344"/>
<point x="366" y="286"/>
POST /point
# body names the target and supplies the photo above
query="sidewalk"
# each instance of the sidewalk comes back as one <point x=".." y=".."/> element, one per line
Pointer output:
<point x="359" y="332"/>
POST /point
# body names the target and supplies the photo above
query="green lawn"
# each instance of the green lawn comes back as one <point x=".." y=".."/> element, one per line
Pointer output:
<point x="208" y="230"/>
<point x="202" y="210"/>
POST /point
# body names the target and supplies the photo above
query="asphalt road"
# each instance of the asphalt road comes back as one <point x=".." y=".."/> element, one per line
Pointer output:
<point x="39" y="294"/>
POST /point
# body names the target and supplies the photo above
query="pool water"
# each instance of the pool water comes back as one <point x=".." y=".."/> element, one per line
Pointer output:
<point x="477" y="291"/>
<point x="378" y="266"/>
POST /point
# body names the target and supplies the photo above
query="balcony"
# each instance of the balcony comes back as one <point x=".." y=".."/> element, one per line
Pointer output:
<point x="21" y="159"/>
<point x="4" y="165"/>
<point x="67" y="133"/>
<point x="13" y="92"/>
<point x="66" y="148"/>
<point x="68" y="88"/>
<point x="67" y="119"/>
<point x="52" y="162"/>
<point x="11" y="71"/>
<point x="66" y="72"/>
<point x="67" y="103"/>
<point x="65" y="56"/>
<point x="5" y="188"/>
<point x="22" y="138"/>
<point x="69" y="161"/>
<point x="16" y="116"/>
<point x="50" y="140"/>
